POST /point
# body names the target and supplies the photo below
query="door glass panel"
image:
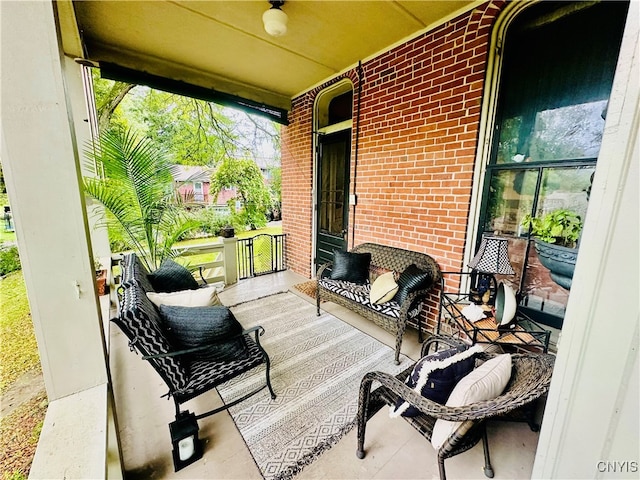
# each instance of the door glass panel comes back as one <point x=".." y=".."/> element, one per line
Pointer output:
<point x="332" y="184"/>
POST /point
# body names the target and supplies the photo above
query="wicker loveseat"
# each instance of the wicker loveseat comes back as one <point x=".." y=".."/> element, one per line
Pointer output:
<point x="391" y="315"/>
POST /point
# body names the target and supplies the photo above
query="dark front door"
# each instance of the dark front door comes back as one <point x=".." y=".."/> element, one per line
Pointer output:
<point x="332" y="194"/>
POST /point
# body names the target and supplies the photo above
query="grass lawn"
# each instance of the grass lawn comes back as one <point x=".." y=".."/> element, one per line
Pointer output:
<point x="19" y="432"/>
<point x="18" y="348"/>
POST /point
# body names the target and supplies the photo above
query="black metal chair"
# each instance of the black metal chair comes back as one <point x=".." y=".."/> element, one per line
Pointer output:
<point x="186" y="377"/>
<point x="530" y="378"/>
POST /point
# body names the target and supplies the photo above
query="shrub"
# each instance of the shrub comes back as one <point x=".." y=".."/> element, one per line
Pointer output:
<point x="211" y="221"/>
<point x="9" y="259"/>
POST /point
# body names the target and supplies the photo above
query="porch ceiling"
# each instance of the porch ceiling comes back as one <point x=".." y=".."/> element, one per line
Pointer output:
<point x="222" y="44"/>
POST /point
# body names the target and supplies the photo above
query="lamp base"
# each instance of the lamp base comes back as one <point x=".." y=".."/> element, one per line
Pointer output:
<point x="483" y="289"/>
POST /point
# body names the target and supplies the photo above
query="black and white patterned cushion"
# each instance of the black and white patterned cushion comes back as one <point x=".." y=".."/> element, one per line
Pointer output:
<point x="140" y="321"/>
<point x="361" y="294"/>
<point x="207" y="374"/>
<point x="132" y="269"/>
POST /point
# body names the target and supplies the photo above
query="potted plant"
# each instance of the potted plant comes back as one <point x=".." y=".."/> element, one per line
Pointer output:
<point x="101" y="277"/>
<point x="556" y="240"/>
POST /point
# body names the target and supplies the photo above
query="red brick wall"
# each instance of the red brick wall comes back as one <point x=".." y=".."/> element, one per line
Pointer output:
<point x="418" y="129"/>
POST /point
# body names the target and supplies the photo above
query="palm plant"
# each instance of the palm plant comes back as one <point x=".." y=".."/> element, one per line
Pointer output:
<point x="132" y="180"/>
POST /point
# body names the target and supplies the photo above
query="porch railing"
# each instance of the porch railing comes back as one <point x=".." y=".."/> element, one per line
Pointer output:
<point x="213" y="261"/>
<point x="260" y="255"/>
<point x="231" y="259"/>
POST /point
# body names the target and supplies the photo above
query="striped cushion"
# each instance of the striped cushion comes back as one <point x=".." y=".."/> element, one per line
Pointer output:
<point x="361" y="294"/>
<point x="132" y="270"/>
<point x="140" y="322"/>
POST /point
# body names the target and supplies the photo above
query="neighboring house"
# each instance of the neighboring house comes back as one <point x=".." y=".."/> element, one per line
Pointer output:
<point x="193" y="183"/>
<point x="194" y="186"/>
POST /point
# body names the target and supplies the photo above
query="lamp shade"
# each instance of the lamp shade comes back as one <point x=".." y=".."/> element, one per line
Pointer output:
<point x="275" y="21"/>
<point x="493" y="257"/>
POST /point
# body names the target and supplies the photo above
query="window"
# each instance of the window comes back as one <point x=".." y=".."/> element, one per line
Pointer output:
<point x="558" y="63"/>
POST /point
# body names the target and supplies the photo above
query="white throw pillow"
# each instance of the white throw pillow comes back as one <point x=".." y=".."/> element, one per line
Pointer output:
<point x="201" y="297"/>
<point x="484" y="383"/>
<point x="383" y="289"/>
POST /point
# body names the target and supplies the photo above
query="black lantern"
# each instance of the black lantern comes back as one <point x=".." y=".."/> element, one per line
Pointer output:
<point x="187" y="448"/>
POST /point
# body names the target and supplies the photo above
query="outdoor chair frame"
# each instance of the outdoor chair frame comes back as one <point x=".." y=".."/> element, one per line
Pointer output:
<point x="530" y="379"/>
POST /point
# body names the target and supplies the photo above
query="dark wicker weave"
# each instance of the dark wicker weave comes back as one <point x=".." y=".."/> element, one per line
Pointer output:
<point x="530" y="378"/>
<point x="389" y="258"/>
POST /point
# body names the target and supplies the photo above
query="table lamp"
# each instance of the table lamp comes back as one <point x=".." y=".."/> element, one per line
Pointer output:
<point x="492" y="258"/>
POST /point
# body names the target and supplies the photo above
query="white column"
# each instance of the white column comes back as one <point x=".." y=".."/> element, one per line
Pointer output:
<point x="41" y="167"/>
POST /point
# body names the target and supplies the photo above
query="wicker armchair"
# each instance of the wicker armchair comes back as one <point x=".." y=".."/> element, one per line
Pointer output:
<point x="530" y="378"/>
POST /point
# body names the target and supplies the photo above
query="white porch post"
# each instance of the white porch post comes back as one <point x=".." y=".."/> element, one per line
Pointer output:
<point x="42" y="173"/>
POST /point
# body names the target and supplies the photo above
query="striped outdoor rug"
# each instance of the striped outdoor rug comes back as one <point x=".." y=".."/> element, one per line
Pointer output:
<point x="316" y="367"/>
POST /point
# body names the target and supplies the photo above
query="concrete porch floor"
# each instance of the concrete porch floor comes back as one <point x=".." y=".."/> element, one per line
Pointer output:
<point x="394" y="449"/>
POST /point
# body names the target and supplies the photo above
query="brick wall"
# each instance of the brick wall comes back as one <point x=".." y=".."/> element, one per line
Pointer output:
<point x="417" y="137"/>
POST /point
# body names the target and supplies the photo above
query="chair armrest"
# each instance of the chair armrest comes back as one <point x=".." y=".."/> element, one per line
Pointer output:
<point x="326" y="266"/>
<point x="424" y="405"/>
<point x="533" y="382"/>
<point x="435" y="340"/>
<point x="201" y="273"/>
<point x="257" y="330"/>
<point x="410" y="300"/>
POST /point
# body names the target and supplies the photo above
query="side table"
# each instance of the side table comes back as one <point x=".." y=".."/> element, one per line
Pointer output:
<point x="524" y="334"/>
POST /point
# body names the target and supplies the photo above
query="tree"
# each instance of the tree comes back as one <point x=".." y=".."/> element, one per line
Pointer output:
<point x="195" y="132"/>
<point x="108" y="96"/>
<point x="133" y="182"/>
<point x="245" y="176"/>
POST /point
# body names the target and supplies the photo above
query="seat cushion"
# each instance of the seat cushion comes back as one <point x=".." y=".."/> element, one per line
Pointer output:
<point x="361" y="294"/>
<point x="435" y="376"/>
<point x="351" y="267"/>
<point x="208" y="374"/>
<point x="486" y="382"/>
<point x="214" y="326"/>
<point x="172" y="277"/>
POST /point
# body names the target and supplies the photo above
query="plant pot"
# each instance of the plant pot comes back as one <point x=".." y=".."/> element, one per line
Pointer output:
<point x="101" y="282"/>
<point x="559" y="260"/>
<point x="227" y="232"/>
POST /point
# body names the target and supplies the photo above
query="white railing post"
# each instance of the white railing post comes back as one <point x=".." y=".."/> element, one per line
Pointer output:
<point x="230" y="260"/>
